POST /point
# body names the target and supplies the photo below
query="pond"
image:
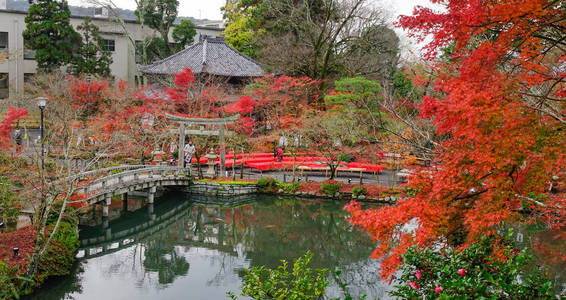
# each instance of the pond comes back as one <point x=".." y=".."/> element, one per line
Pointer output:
<point x="188" y="247"/>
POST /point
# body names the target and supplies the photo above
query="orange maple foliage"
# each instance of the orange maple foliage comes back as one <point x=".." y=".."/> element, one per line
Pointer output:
<point x="503" y="109"/>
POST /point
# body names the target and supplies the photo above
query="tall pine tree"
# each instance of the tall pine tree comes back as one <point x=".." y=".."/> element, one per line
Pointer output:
<point x="50" y="34"/>
<point x="91" y="57"/>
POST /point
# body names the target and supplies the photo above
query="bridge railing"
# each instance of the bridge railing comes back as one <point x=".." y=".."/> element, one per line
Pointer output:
<point x="132" y="175"/>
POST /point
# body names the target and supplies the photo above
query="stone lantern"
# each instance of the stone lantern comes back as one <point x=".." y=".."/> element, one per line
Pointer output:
<point x="211" y="157"/>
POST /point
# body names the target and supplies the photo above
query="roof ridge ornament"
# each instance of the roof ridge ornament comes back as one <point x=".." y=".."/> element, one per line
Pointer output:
<point x="204" y="44"/>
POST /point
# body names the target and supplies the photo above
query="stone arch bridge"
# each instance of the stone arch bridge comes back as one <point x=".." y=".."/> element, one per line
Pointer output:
<point x="98" y="186"/>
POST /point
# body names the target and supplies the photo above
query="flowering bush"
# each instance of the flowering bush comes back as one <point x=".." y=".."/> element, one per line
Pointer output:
<point x="471" y="273"/>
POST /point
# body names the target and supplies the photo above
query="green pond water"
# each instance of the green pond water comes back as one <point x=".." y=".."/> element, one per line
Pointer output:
<point x="189" y="247"/>
<point x="193" y="247"/>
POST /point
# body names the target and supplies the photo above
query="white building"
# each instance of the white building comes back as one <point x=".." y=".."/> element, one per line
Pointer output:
<point x="18" y="62"/>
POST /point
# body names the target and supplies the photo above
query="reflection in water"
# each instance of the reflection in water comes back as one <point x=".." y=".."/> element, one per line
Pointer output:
<point x="198" y="249"/>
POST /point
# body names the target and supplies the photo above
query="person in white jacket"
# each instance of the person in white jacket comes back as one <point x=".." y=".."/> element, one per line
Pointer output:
<point x="189" y="151"/>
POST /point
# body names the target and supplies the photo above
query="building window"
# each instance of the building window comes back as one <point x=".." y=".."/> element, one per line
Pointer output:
<point x="109" y="45"/>
<point x="29" y="54"/>
<point x="3" y="43"/>
<point x="4" y="86"/>
<point x="28" y="77"/>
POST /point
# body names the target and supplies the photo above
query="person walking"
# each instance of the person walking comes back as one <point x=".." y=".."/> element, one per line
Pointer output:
<point x="172" y="151"/>
<point x="279" y="154"/>
<point x="189" y="150"/>
<point x="18" y="139"/>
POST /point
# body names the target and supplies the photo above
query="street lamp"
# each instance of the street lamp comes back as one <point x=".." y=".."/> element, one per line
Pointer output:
<point x="41" y="103"/>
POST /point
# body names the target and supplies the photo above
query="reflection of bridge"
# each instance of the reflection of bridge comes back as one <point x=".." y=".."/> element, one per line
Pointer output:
<point x="123" y="179"/>
<point x="109" y="241"/>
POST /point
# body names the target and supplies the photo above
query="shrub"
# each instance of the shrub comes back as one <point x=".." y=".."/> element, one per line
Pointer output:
<point x="266" y="183"/>
<point x="50" y="166"/>
<point x="60" y="255"/>
<point x="330" y="187"/>
<point x="301" y="283"/>
<point x="9" y="281"/>
<point x="289" y="187"/>
<point x="359" y="190"/>
<point x="9" y="211"/>
<point x="471" y="273"/>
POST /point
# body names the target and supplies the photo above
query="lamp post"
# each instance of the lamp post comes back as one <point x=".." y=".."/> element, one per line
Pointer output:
<point x="41" y="103"/>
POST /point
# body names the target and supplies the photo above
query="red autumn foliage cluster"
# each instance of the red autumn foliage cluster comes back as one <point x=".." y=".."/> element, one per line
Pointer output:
<point x="282" y="100"/>
<point x="10" y="116"/>
<point x="501" y="106"/>
<point x="85" y="94"/>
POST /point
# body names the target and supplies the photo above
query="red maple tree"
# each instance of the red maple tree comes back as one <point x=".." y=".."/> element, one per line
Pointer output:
<point x="501" y="104"/>
<point x="10" y="116"/>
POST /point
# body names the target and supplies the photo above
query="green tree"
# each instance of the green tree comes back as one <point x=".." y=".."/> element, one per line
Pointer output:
<point x="320" y="39"/>
<point x="49" y="32"/>
<point x="9" y="211"/>
<point x="91" y="57"/>
<point x="159" y="15"/>
<point x="240" y="35"/>
<point x="184" y="34"/>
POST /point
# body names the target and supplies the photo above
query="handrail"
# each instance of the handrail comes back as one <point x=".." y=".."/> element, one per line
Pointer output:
<point x="135" y="171"/>
<point x="110" y="169"/>
<point x="152" y="170"/>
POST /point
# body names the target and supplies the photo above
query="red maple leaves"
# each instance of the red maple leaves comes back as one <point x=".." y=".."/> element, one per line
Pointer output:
<point x="10" y="116"/>
<point x="505" y="142"/>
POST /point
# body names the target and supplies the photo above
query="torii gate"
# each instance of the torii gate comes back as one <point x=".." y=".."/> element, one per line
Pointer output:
<point x="221" y="122"/>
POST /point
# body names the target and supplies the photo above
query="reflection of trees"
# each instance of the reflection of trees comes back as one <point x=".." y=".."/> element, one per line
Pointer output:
<point x="286" y="229"/>
<point x="161" y="256"/>
<point x="548" y="249"/>
<point x="262" y="233"/>
<point x="270" y="230"/>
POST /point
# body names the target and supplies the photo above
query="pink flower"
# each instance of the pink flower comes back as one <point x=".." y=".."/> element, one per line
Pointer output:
<point x="437" y="289"/>
<point x="414" y="285"/>
<point x="418" y="274"/>
<point x="462" y="272"/>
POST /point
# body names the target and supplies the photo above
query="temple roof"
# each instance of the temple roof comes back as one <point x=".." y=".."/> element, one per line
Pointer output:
<point x="210" y="55"/>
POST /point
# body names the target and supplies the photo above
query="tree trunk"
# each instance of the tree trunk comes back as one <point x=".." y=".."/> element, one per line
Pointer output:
<point x="294" y="166"/>
<point x="242" y="165"/>
<point x="233" y="164"/>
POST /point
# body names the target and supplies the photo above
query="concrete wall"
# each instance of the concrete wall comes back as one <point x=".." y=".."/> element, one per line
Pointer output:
<point x="123" y="65"/>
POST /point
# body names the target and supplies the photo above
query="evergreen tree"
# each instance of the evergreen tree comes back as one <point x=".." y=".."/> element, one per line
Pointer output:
<point x="91" y="57"/>
<point x="50" y="34"/>
<point x="159" y="15"/>
<point x="184" y="33"/>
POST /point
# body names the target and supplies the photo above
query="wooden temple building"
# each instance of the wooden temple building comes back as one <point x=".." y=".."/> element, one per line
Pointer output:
<point x="211" y="56"/>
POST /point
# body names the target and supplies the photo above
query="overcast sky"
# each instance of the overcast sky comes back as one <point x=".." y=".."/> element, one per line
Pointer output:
<point x="210" y="9"/>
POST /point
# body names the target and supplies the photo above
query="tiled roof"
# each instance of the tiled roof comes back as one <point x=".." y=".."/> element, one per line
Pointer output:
<point x="210" y="55"/>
